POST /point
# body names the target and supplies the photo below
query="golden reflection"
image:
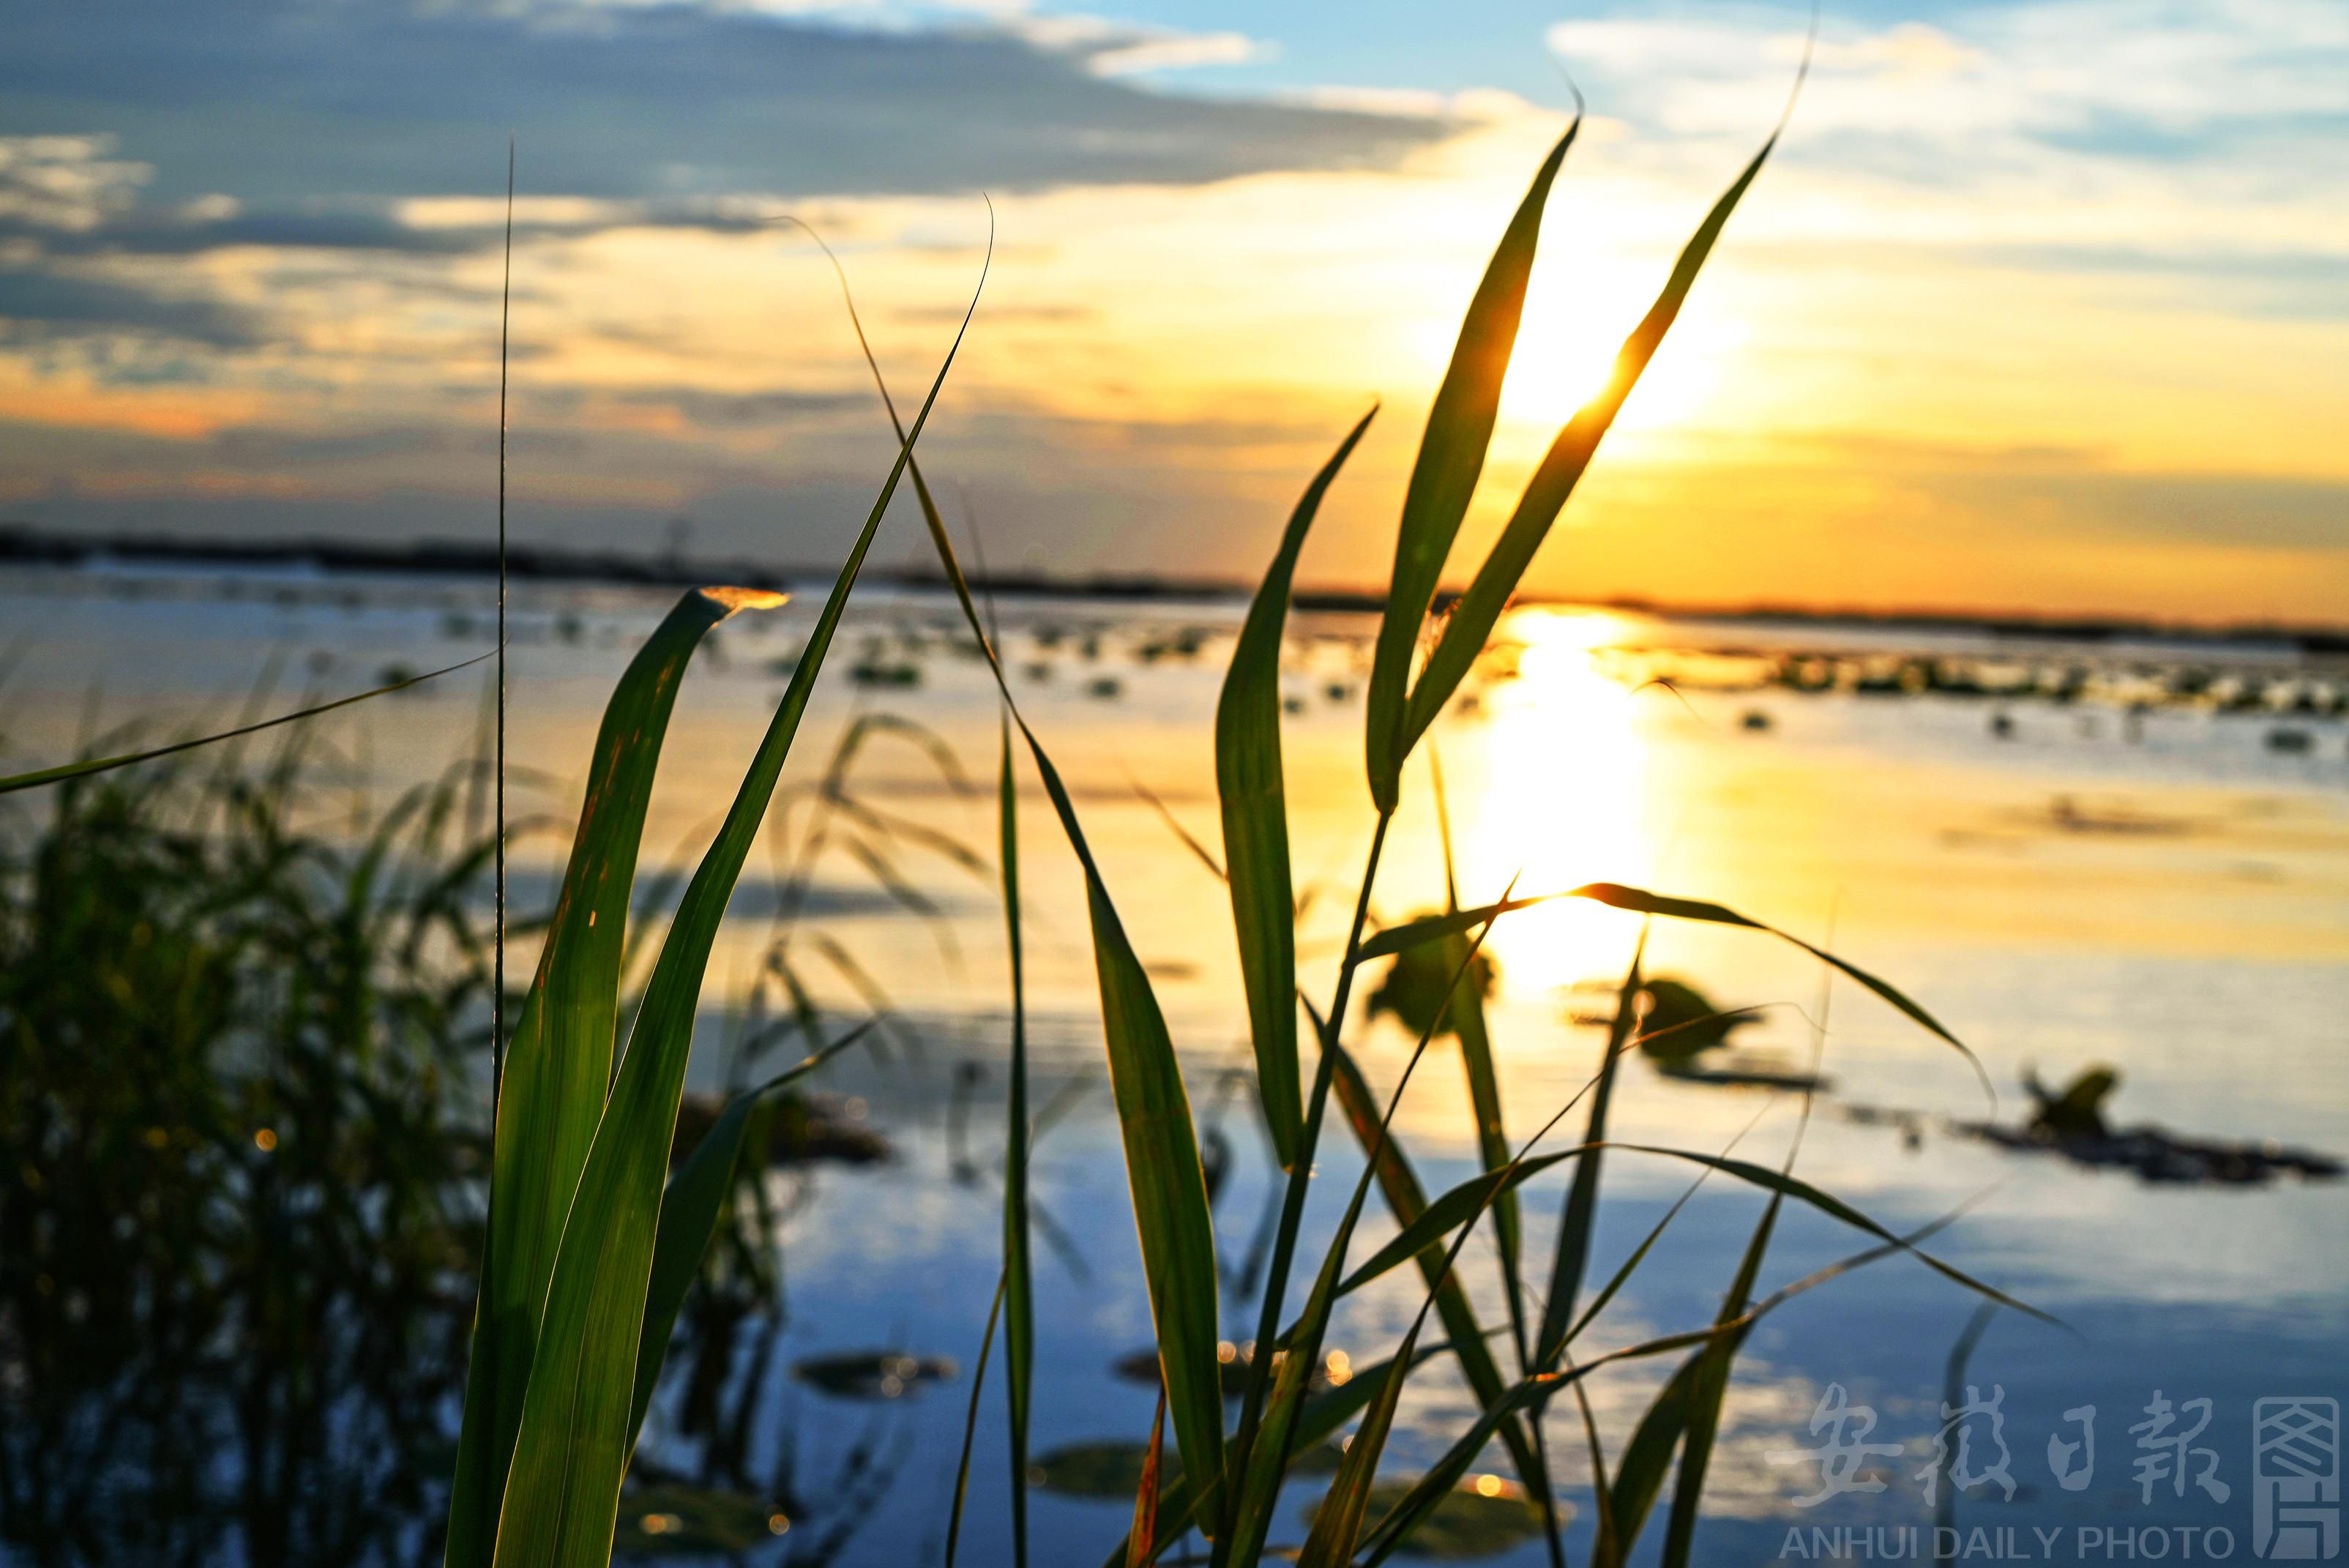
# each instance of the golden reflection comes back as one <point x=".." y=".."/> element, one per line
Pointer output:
<point x="1563" y="797"/>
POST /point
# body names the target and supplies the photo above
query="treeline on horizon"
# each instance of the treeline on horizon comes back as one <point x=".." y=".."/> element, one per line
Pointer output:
<point x="26" y="545"/>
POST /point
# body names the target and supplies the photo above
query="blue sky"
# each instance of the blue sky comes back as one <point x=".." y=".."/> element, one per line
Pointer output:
<point x="2041" y="305"/>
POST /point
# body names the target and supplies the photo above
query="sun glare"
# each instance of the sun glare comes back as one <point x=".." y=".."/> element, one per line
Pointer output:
<point x="1564" y="797"/>
<point x="1573" y="327"/>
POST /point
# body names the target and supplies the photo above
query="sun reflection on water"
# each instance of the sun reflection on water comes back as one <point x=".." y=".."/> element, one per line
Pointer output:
<point x="1563" y="798"/>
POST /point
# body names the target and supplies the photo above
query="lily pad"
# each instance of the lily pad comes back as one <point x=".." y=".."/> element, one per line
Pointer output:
<point x="873" y="1373"/>
<point x="1110" y="1468"/>
<point x="1483" y="1517"/>
<point x="689" y="1521"/>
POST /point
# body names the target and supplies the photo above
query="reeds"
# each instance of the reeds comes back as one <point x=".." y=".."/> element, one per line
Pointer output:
<point x="587" y="1252"/>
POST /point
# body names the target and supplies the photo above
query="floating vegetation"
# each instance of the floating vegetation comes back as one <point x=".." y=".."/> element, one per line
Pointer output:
<point x="1421" y="981"/>
<point x="686" y="1520"/>
<point x="2072" y="1124"/>
<point x="2143" y="685"/>
<point x="873" y="1374"/>
<point x="899" y="674"/>
<point x="1111" y="1469"/>
<point x="802" y="1128"/>
<point x="1484" y="1516"/>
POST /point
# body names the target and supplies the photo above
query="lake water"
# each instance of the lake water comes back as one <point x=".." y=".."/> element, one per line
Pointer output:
<point x="2097" y="870"/>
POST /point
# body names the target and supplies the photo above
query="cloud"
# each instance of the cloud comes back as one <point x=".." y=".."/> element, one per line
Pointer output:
<point x="41" y="307"/>
<point x="283" y="105"/>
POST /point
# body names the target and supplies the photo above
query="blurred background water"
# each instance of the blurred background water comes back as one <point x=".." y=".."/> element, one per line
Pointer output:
<point x="2075" y="852"/>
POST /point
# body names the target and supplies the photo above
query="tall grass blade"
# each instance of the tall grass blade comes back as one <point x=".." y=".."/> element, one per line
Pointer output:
<point x="1572" y="1254"/>
<point x="1018" y="1278"/>
<point x="1267" y="1448"/>
<point x="1162" y="1157"/>
<point x="1407" y="1202"/>
<point x="559" y="1062"/>
<point x="563" y="1491"/>
<point x="1473" y="618"/>
<point x="690" y="1209"/>
<point x="1451" y="457"/>
<point x="1169" y="1191"/>
<point x="1338" y="1522"/>
<point x="970" y="1427"/>
<point x="63" y="771"/>
<point x="1317" y="1423"/>
<point x="1142" y="1539"/>
<point x="1256" y="821"/>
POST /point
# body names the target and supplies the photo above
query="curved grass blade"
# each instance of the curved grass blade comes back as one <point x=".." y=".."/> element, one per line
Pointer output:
<point x="970" y="1427"/>
<point x="690" y="1209"/>
<point x="1267" y="1449"/>
<point x="1255" y="820"/>
<point x="1443" y="477"/>
<point x="1142" y="1539"/>
<point x="1571" y="1255"/>
<point x="65" y="771"/>
<point x="563" y="1491"/>
<point x="1435" y="928"/>
<point x="1162" y="1157"/>
<point x="1473" y="618"/>
<point x="1406" y="1201"/>
<point x="1455" y="1207"/>
<point x="558" y="1063"/>
<point x="1338" y="1522"/>
<point x="1641" y="901"/>
<point x="1169" y="1191"/>
<point x="1317" y="1423"/>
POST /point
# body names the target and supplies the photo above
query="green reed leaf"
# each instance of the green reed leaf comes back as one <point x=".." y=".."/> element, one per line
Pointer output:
<point x="1473" y="618"/>
<point x="1161" y="1160"/>
<point x="83" y="769"/>
<point x="558" y="1065"/>
<point x="970" y="1426"/>
<point x="563" y="1492"/>
<point x="1319" y="1421"/>
<point x="691" y="1209"/>
<point x="1255" y="820"/>
<point x="1641" y="901"/>
<point x="1019" y="1277"/>
<point x="1571" y="1255"/>
<point x="1443" y="477"/>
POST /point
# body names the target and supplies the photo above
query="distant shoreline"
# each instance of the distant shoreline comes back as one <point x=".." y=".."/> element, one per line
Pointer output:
<point x="22" y="546"/>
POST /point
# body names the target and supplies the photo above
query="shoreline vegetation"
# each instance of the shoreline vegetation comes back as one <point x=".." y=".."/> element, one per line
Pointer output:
<point x="24" y="545"/>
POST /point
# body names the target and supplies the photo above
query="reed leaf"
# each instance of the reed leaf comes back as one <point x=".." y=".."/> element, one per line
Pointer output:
<point x="970" y="1426"/>
<point x="1406" y="1201"/>
<point x="63" y="771"/>
<point x="1641" y="901"/>
<point x="1142" y="1539"/>
<point x="1162" y="1159"/>
<point x="558" y="1063"/>
<point x="563" y="1491"/>
<point x="1317" y="1423"/>
<point x="691" y="1211"/>
<point x="1255" y="820"/>
<point x="1019" y="1277"/>
<point x="1473" y="618"/>
<point x="1571" y="1255"/>
<point x="1443" y="477"/>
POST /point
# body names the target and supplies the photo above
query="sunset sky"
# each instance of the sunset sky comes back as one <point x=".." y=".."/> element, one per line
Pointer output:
<point x="2043" y="306"/>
